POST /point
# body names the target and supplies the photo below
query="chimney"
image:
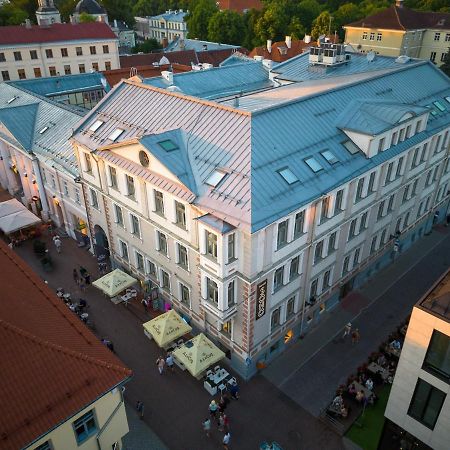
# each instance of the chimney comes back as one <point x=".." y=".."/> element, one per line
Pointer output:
<point x="258" y="58"/>
<point x="269" y="45"/>
<point x="268" y="63"/>
<point x="288" y="41"/>
<point x="115" y="23"/>
<point x="307" y="39"/>
<point x="168" y="76"/>
<point x="27" y="23"/>
<point x="399" y="3"/>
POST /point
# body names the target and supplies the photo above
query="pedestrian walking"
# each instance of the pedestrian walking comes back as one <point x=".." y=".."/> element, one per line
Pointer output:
<point x="234" y="391"/>
<point x="213" y="407"/>
<point x="226" y="440"/>
<point x="160" y="362"/>
<point x="144" y="302"/>
<point x="76" y="278"/>
<point x="347" y="330"/>
<point x="169" y="362"/>
<point x="58" y="243"/>
<point x="82" y="284"/>
<point x="207" y="426"/>
<point x="223" y="402"/>
<point x="87" y="278"/>
<point x="355" y="336"/>
<point x="140" y="409"/>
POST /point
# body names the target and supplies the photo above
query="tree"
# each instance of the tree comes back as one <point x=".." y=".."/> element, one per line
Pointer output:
<point x="147" y="46"/>
<point x="86" y="18"/>
<point x="198" y="18"/>
<point x="346" y="14"/>
<point x="307" y="11"/>
<point x="226" y="27"/>
<point x="143" y="8"/>
<point x="321" y="25"/>
<point x="250" y="18"/>
<point x="446" y="66"/>
<point x="273" y="23"/>
<point x="296" y="29"/>
<point x="12" y="15"/>
<point x="120" y="10"/>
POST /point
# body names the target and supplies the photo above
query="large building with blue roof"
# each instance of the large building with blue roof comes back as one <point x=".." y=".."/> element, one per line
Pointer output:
<point x="254" y="209"/>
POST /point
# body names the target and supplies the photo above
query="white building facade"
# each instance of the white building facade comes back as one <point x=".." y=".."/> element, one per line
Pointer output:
<point x="168" y="26"/>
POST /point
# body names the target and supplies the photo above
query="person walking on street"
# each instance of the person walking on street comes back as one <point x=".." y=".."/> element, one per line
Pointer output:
<point x="140" y="409"/>
<point x="234" y="391"/>
<point x="144" y="302"/>
<point x="87" y="278"/>
<point x="75" y="276"/>
<point x="213" y="409"/>
<point x="160" y="362"/>
<point x="169" y="362"/>
<point x="207" y="426"/>
<point x="58" y="243"/>
<point x="347" y="330"/>
<point x="82" y="284"/>
<point x="355" y="336"/>
<point x="226" y="440"/>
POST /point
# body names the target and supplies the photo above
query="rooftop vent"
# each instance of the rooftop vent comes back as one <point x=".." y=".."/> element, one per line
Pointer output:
<point x="167" y="76"/>
<point x="12" y="99"/>
<point x="402" y="59"/>
<point x="258" y="58"/>
<point x="328" y="54"/>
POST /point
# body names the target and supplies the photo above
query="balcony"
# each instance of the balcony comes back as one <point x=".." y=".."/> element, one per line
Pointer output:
<point x="224" y="315"/>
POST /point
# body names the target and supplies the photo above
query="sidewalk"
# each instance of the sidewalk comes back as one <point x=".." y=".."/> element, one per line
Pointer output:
<point x="311" y="370"/>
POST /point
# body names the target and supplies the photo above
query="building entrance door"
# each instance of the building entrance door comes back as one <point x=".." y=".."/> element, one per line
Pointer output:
<point x="346" y="288"/>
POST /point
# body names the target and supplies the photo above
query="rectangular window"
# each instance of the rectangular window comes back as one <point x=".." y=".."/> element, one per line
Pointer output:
<point x="85" y="427"/>
<point x="54" y="181"/>
<point x="162" y="242"/>
<point x="278" y="278"/>
<point x="2" y="57"/>
<point x="135" y="226"/>
<point x="363" y="222"/>
<point x="383" y="237"/>
<point x="33" y="54"/>
<point x="5" y="75"/>
<point x="364" y="36"/>
<point x="394" y="139"/>
<point x="418" y="125"/>
<point x="105" y="49"/>
<point x="95" y="66"/>
<point x="81" y="68"/>
<point x="314" y="288"/>
<point x="290" y="307"/>
<point x="387" y="180"/>
<point x="390" y="207"/>
<point x="318" y="251"/>
<point x="212" y="291"/>
<point x="230" y="294"/>
<point x="356" y="257"/>
<point x="433" y="56"/>
<point x="294" y="268"/>
<point x="107" y="65"/>
<point x="37" y="72"/>
<point x="437" y="359"/>
<point x="112" y="177"/>
<point x="408" y="131"/>
<point x="406" y="193"/>
<point x="159" y="202"/>
<point x="67" y="69"/>
<point x="346" y="265"/>
<point x="339" y="201"/>
<point x="77" y="196"/>
<point x="21" y="73"/>
<point x="275" y="319"/>
<point x="139" y="261"/>
<point x="332" y="243"/>
<point x="130" y="185"/>
<point x="373" y="245"/>
<point x="426" y="404"/>
<point x="227" y="328"/>
<point x="379" y="36"/>
<point x="371" y="185"/>
<point x="447" y="37"/>
<point x="352" y="229"/>
<point x="182" y="256"/>
<point x="231" y="247"/>
<point x="87" y="162"/>
<point x="401" y="137"/>
<point x="151" y="268"/>
<point x="325" y="209"/>
<point x="380" y="212"/>
<point x="381" y="145"/>
<point x="326" y="279"/>
<point x="424" y="153"/>
<point x="64" y="53"/>
<point x="180" y="212"/>
<point x="184" y="294"/>
<point x="299" y="223"/>
<point x="66" y="188"/>
<point x="94" y="199"/>
<point x="119" y="215"/>
<point x="17" y="56"/>
<point x="79" y="51"/>
<point x="49" y="53"/>
<point x="44" y="446"/>
<point x="359" y="189"/>
<point x="398" y="172"/>
<point x="437" y="36"/>
<point x="211" y="245"/>
<point x="93" y="50"/>
<point x="165" y="280"/>
<point x="372" y="37"/>
<point x="282" y="234"/>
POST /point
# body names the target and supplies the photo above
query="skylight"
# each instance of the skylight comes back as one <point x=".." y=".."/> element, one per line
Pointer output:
<point x="43" y="130"/>
<point x="313" y="164"/>
<point x="96" y="125"/>
<point x="329" y="156"/>
<point x="115" y="134"/>
<point x="447" y="99"/>
<point x="215" y="178"/>
<point x="168" y="145"/>
<point x="288" y="176"/>
<point x="439" y="106"/>
<point x="12" y="99"/>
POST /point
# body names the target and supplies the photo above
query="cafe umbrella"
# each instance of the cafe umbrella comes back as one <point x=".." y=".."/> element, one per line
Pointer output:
<point x="114" y="282"/>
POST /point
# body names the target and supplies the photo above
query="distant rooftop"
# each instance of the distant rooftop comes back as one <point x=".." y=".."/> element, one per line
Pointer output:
<point x="437" y="301"/>
<point x="197" y="45"/>
<point x="171" y="16"/>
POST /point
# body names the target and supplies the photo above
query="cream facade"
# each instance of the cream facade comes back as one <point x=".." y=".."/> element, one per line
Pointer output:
<point x="419" y="401"/>
<point x="164" y="27"/>
<point x="100" y="426"/>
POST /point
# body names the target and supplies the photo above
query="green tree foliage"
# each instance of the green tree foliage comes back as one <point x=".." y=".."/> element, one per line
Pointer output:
<point x="321" y="25"/>
<point x="307" y="11"/>
<point x="198" y="18"/>
<point x="446" y="65"/>
<point x="347" y="13"/>
<point x="273" y="23"/>
<point x="296" y="29"/>
<point x="65" y="8"/>
<point x="226" y="27"/>
<point x="250" y="40"/>
<point x="119" y="9"/>
<point x="147" y="46"/>
<point x="12" y="15"/>
<point x="86" y="18"/>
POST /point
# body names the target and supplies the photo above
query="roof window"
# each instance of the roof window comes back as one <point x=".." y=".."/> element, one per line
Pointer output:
<point x="439" y="106"/>
<point x="12" y="99"/>
<point x="96" y="125"/>
<point x="432" y="110"/>
<point x="215" y="178"/>
<point x="168" y="145"/>
<point x="43" y="130"/>
<point x="447" y="99"/>
<point x="351" y="147"/>
<point x="313" y="164"/>
<point x="288" y="176"/>
<point x="115" y="134"/>
<point x="329" y="156"/>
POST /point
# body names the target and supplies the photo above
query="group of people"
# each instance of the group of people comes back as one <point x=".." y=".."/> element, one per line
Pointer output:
<point x="354" y="333"/>
<point x="217" y="414"/>
<point x="81" y="277"/>
<point x="162" y="363"/>
<point x="78" y="308"/>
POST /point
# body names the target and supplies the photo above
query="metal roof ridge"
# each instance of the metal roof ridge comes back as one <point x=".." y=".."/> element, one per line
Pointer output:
<point x="337" y="88"/>
<point x="187" y="97"/>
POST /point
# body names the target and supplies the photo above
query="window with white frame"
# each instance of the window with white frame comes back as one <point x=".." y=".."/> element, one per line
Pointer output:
<point x="165" y="280"/>
<point x="180" y="215"/>
<point x="381" y="145"/>
<point x="299" y="223"/>
<point x="282" y="234"/>
<point x="290" y="307"/>
<point x="162" y="242"/>
<point x="390" y="206"/>
<point x="408" y="132"/>
<point x="424" y="153"/>
<point x="139" y="261"/>
<point x="135" y="225"/>
<point x="159" y="202"/>
<point x="87" y="163"/>
<point x="231" y="250"/>
<point x="388" y="177"/>
<point x="338" y="202"/>
<point x="401" y="136"/>
<point x="373" y="245"/>
<point x="399" y="170"/>
<point x="212" y="291"/>
<point x="356" y="256"/>
<point x="371" y="184"/>
<point x="231" y="293"/>
<point x="326" y="279"/>
<point x="363" y="221"/>
<point x="278" y="278"/>
<point x="380" y="212"/>
<point x="85" y="427"/>
<point x="182" y="256"/>
<point x="359" y="189"/>
<point x="130" y="186"/>
<point x="94" y="198"/>
<point x="383" y="237"/>
<point x="123" y="250"/>
<point x="352" y="229"/>
<point x="66" y="188"/>
<point x="318" y="252"/>
<point x="294" y="268"/>
<point x="346" y="265"/>
<point x="185" y="294"/>
<point x="211" y="244"/>
<point x="394" y="138"/>
<point x="275" y="318"/>
<point x="119" y="215"/>
<point x="113" y="177"/>
<point x="414" y="187"/>
<point x="324" y="209"/>
<point x="332" y="243"/>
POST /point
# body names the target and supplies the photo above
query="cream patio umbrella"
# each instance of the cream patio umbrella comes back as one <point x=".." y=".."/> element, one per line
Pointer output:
<point x="114" y="282"/>
<point x="167" y="327"/>
<point x="198" y="354"/>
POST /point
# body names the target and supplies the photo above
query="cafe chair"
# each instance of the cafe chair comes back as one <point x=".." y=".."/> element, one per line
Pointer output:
<point x="216" y="369"/>
<point x="209" y="373"/>
<point x="222" y="388"/>
<point x="180" y="342"/>
<point x="232" y="381"/>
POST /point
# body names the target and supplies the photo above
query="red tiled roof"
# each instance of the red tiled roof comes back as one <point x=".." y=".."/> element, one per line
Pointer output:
<point x="215" y="57"/>
<point x="114" y="76"/>
<point x="56" y="32"/>
<point x="395" y="18"/>
<point x="280" y="52"/>
<point x="185" y="57"/>
<point x="52" y="365"/>
<point x="240" y="5"/>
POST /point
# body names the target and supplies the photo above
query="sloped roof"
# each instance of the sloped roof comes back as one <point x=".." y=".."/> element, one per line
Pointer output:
<point x="395" y="18"/>
<point x="240" y="5"/>
<point x="373" y="117"/>
<point x="281" y="52"/>
<point x="186" y="57"/>
<point x="172" y="16"/>
<point x="236" y="58"/>
<point x="52" y="367"/>
<point x="196" y="45"/>
<point x="20" y="121"/>
<point x="89" y="7"/>
<point x="56" y="32"/>
<point x="215" y="57"/>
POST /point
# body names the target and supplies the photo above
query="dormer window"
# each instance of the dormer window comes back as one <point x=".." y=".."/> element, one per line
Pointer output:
<point x="96" y="125"/>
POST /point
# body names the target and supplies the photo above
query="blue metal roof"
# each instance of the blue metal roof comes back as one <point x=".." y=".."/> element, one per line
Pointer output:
<point x="51" y="86"/>
<point x="218" y="81"/>
<point x="198" y="46"/>
<point x="299" y="68"/>
<point x="236" y="58"/>
<point x="174" y="16"/>
<point x="214" y="222"/>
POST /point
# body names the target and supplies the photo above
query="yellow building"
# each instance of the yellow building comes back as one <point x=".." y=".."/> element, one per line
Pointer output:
<point x="61" y="388"/>
<point x="401" y="31"/>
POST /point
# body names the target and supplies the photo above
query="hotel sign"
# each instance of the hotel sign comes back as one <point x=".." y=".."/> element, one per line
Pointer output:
<point x="261" y="298"/>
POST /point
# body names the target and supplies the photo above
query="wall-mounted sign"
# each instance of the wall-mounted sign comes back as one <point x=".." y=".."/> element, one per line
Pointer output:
<point x="261" y="298"/>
